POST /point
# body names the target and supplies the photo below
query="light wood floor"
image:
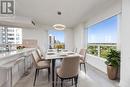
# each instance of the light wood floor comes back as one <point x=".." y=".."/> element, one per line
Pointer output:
<point x="93" y="78"/>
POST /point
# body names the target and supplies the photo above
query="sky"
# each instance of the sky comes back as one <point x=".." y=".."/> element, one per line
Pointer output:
<point x="59" y="35"/>
<point x="103" y="32"/>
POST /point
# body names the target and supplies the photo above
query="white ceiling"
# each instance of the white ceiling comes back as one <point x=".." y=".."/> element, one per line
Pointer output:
<point x="44" y="12"/>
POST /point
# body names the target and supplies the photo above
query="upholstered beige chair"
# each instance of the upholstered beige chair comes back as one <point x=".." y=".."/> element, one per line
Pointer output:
<point x="38" y="64"/>
<point x="75" y="50"/>
<point x="69" y="69"/>
<point x="40" y="53"/>
<point x="41" y="56"/>
<point x="83" y="58"/>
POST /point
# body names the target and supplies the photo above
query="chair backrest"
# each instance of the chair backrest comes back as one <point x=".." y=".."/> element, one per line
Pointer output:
<point x="35" y="58"/>
<point x="69" y="67"/>
<point x="83" y="53"/>
<point x="39" y="53"/>
<point x="75" y="50"/>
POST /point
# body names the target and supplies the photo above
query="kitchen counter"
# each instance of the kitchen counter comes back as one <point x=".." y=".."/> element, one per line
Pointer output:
<point x="12" y="53"/>
<point x="6" y="57"/>
<point x="13" y="65"/>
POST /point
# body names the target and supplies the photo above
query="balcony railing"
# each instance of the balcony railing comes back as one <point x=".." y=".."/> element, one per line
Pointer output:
<point x="100" y="49"/>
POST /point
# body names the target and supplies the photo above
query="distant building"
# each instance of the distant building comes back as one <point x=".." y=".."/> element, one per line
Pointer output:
<point x="10" y="35"/>
<point x="52" y="41"/>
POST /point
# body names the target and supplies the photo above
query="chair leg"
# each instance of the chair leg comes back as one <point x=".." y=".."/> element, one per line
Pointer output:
<point x="38" y="72"/>
<point x="80" y="66"/>
<point x="61" y="82"/>
<point x="56" y="79"/>
<point x="48" y="74"/>
<point x="85" y="67"/>
<point x="35" y="77"/>
<point x="72" y="81"/>
<point x="76" y="81"/>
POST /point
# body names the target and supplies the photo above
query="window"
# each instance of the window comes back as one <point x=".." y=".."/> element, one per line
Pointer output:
<point x="9" y="35"/>
<point x="56" y="38"/>
<point x="102" y="37"/>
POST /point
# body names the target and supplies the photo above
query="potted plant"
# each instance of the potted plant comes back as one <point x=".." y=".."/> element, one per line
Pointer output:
<point x="113" y="63"/>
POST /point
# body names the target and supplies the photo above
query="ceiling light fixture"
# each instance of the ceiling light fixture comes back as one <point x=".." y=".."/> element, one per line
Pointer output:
<point x="59" y="26"/>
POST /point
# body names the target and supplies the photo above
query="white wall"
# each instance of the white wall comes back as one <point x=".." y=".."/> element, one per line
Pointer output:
<point x="69" y="39"/>
<point x="39" y="34"/>
<point x="125" y="44"/>
<point x="79" y="36"/>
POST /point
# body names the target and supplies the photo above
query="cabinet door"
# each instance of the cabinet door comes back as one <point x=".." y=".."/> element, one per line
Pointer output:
<point x="21" y="68"/>
<point x="27" y="65"/>
<point x="15" y="74"/>
<point x="17" y="71"/>
<point x="3" y="77"/>
<point x="28" y="61"/>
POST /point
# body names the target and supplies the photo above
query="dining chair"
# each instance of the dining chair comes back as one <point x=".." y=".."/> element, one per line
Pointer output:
<point x="41" y="56"/>
<point x="39" y="65"/>
<point x="83" y="58"/>
<point x="40" y="53"/>
<point x="69" y="69"/>
<point x="75" y="50"/>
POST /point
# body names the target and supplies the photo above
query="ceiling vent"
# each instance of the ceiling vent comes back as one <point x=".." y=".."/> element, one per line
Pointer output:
<point x="33" y="22"/>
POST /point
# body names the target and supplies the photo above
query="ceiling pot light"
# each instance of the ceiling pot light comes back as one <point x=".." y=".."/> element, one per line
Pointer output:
<point x="59" y="26"/>
<point x="59" y="13"/>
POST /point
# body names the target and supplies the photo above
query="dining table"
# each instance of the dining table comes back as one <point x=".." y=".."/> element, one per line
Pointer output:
<point x="53" y="55"/>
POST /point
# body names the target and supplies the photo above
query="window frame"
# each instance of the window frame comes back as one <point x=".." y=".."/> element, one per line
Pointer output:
<point x="56" y="43"/>
<point x="99" y="48"/>
<point x="7" y="35"/>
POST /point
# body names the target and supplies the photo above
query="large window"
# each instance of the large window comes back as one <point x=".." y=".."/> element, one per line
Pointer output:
<point x="56" y="38"/>
<point x="102" y="37"/>
<point x="9" y="35"/>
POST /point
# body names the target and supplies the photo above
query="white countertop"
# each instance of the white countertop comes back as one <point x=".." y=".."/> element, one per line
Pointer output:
<point x="11" y="53"/>
<point x="10" y="56"/>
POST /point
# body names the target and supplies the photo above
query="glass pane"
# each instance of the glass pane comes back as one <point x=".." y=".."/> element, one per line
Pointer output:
<point x="103" y="32"/>
<point x="102" y="37"/>
<point x="92" y="50"/>
<point x="56" y="38"/>
<point x="10" y="35"/>
<point x="105" y="49"/>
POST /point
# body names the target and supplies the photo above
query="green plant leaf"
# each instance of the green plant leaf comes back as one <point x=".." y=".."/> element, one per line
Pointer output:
<point x="113" y="58"/>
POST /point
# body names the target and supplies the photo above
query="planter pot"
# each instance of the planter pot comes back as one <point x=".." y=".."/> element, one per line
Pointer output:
<point x="112" y="72"/>
<point x="118" y="73"/>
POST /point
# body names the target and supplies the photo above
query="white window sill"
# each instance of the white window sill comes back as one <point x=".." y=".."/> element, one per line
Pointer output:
<point x="103" y="59"/>
<point x="97" y="62"/>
